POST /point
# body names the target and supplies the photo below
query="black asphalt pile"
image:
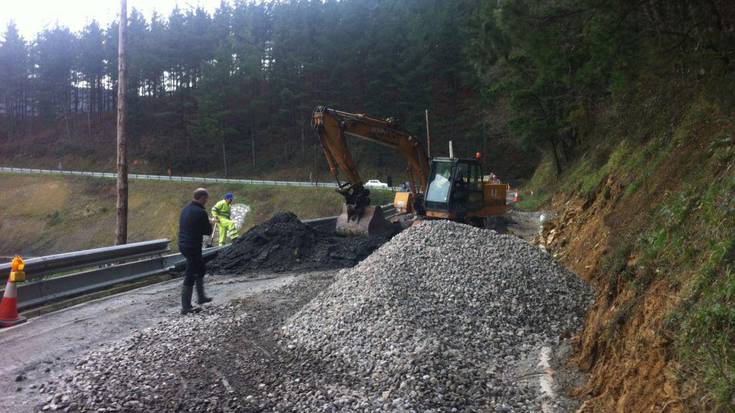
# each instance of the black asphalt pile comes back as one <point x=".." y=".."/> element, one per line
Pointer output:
<point x="284" y="243"/>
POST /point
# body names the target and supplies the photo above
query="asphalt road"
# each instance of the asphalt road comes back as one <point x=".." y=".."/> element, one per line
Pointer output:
<point x="43" y="348"/>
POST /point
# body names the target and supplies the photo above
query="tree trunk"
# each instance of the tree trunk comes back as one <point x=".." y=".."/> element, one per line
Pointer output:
<point x="252" y="145"/>
<point x="303" y="144"/>
<point x="122" y="155"/>
<point x="557" y="161"/>
<point x="224" y="157"/>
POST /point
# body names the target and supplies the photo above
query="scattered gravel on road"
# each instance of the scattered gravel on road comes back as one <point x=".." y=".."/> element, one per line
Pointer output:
<point x="284" y="243"/>
<point x="444" y="317"/>
<point x="223" y="359"/>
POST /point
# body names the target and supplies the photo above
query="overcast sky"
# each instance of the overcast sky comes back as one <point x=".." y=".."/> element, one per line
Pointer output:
<point x="31" y="16"/>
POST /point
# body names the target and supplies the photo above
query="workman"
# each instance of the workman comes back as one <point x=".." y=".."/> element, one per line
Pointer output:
<point x="221" y="215"/>
<point x="193" y="226"/>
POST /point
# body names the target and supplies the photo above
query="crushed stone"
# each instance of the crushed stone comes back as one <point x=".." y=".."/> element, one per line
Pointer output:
<point x="439" y="319"/>
<point x="442" y="318"/>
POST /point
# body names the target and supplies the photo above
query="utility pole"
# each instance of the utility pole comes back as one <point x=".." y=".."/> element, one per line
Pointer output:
<point x="428" y="136"/>
<point x="122" y="146"/>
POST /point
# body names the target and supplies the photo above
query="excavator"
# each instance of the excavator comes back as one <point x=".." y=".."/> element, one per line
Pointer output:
<point x="439" y="188"/>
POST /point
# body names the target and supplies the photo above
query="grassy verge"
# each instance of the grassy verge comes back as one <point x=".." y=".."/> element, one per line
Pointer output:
<point x="44" y="214"/>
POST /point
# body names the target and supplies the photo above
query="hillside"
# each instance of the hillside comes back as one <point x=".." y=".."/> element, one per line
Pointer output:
<point x="44" y="215"/>
<point x="653" y="209"/>
<point x="632" y="105"/>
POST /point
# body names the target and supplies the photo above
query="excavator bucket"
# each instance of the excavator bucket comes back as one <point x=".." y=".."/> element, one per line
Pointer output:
<point x="371" y="223"/>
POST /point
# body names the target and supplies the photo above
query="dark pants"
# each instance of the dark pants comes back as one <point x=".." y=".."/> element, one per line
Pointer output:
<point x="195" y="267"/>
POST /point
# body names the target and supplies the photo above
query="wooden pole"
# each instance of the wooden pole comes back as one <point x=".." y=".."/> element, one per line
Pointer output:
<point x="428" y="136"/>
<point x="122" y="147"/>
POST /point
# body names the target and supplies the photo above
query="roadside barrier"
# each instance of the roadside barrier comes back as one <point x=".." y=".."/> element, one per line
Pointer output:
<point x="192" y="179"/>
<point x="67" y="275"/>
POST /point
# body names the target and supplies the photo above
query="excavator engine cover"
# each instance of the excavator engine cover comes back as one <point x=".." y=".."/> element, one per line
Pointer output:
<point x="372" y="222"/>
<point x="403" y="202"/>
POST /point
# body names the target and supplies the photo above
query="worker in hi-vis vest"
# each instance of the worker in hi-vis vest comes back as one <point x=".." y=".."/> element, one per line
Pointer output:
<point x="221" y="215"/>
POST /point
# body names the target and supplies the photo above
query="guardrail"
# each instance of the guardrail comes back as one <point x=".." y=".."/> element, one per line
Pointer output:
<point x="40" y="267"/>
<point x="61" y="276"/>
<point x="146" y="177"/>
<point x="192" y="179"/>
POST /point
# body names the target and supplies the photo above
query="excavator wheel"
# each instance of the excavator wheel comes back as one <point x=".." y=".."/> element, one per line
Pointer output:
<point x="372" y="222"/>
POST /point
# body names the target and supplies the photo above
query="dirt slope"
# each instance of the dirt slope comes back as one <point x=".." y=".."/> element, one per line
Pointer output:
<point x="652" y="228"/>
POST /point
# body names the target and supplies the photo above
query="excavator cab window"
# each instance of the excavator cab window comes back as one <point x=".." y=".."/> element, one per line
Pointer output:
<point x="476" y="194"/>
<point x="440" y="184"/>
<point x="454" y="184"/>
<point x="467" y="190"/>
<point x="461" y="184"/>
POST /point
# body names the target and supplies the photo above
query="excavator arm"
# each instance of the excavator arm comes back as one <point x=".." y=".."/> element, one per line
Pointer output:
<point x="333" y="127"/>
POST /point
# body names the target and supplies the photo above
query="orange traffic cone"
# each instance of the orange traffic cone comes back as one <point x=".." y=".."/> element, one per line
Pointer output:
<point x="9" y="306"/>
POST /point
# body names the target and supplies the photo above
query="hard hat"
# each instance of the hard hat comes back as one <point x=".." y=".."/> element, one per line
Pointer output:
<point x="229" y="196"/>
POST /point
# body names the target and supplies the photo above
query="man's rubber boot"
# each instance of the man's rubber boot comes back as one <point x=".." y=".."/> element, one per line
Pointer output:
<point x="201" y="297"/>
<point x="186" y="292"/>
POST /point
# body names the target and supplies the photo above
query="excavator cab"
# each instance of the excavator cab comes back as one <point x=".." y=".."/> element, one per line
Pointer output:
<point x="456" y="189"/>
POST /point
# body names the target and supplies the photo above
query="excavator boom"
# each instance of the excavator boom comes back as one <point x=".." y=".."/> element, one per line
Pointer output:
<point x="333" y="127"/>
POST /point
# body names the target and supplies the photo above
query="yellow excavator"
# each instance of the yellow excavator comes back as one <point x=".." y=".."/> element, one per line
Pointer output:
<point x="440" y="188"/>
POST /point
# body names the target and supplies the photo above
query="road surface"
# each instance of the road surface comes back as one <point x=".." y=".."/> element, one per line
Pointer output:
<point x="42" y="349"/>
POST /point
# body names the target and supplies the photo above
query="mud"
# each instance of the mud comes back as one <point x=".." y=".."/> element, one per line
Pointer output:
<point x="284" y="243"/>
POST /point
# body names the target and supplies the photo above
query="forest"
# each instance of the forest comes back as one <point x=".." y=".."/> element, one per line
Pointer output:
<point x="517" y="80"/>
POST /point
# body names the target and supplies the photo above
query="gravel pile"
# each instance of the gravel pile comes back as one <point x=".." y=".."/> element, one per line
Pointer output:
<point x="224" y="359"/>
<point x="284" y="243"/>
<point x="444" y="317"/>
<point x="439" y="318"/>
<point x="150" y="371"/>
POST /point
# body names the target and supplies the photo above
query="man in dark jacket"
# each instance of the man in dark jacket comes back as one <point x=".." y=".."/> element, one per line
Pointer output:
<point x="193" y="226"/>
